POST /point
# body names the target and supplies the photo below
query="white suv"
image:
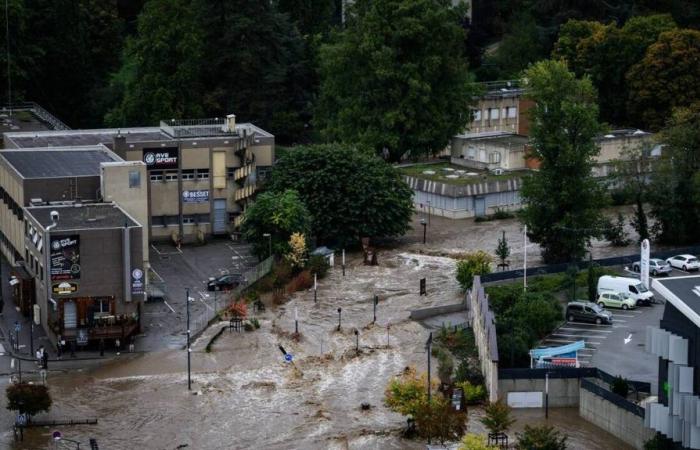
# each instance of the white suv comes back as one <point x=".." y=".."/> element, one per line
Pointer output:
<point x="684" y="262"/>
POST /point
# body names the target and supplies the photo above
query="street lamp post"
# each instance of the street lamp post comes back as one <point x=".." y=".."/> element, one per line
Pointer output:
<point x="189" y="351"/>
<point x="269" y="243"/>
<point x="428" y="212"/>
<point x="376" y="300"/>
<point x="425" y="224"/>
<point x="428" y="346"/>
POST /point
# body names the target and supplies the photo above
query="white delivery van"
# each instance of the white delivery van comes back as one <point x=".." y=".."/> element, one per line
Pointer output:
<point x="630" y="286"/>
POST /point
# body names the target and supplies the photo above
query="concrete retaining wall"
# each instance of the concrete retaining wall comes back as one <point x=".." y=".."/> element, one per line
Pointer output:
<point x="426" y="313"/>
<point x="617" y="421"/>
<point x="563" y="392"/>
<point x="484" y="327"/>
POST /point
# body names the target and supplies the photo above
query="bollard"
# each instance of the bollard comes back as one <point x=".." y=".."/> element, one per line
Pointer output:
<point x="376" y="300"/>
<point x="357" y="341"/>
<point x="340" y="310"/>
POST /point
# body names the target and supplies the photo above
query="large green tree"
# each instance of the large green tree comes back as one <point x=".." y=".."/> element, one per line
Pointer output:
<point x="675" y="190"/>
<point x="395" y="78"/>
<point x="667" y="77"/>
<point x="278" y="214"/>
<point x="349" y="192"/>
<point x="561" y="200"/>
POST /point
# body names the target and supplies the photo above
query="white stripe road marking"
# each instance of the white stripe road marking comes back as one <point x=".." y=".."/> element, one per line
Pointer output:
<point x="2" y="349"/>
<point x="585" y="329"/>
<point x="166" y="304"/>
<point x="622" y="315"/>
<point x="584" y="337"/>
<point x="570" y="341"/>
<point x="588" y="325"/>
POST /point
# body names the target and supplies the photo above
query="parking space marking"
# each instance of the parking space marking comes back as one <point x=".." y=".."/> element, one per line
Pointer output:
<point x="168" y="305"/>
<point x="585" y="329"/>
<point x="571" y="341"/>
<point x="583" y="337"/>
<point x="158" y="275"/>
<point x="623" y="315"/>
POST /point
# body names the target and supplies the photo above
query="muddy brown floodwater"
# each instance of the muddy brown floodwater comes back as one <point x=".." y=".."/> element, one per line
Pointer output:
<point x="246" y="397"/>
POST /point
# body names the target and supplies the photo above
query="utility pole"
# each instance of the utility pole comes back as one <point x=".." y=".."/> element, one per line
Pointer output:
<point x="525" y="258"/>
<point x="189" y="351"/>
<point x="428" y="346"/>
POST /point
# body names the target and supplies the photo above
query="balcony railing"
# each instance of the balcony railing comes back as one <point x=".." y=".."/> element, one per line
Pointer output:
<point x="244" y="192"/>
<point x="243" y="172"/>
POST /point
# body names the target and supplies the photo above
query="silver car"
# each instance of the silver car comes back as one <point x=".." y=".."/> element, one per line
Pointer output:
<point x="656" y="267"/>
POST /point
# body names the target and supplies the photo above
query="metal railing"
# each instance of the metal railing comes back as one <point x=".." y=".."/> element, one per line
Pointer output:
<point x="39" y="112"/>
<point x="612" y="397"/>
<point x="250" y="276"/>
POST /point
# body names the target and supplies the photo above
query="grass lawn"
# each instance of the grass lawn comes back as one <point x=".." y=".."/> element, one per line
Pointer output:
<point x="441" y="174"/>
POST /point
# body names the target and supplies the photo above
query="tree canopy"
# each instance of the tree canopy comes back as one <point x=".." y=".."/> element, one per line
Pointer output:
<point x="349" y="193"/>
<point x="395" y="78"/>
<point x="562" y="201"/>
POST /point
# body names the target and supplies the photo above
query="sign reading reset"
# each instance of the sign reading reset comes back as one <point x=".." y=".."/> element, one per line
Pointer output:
<point x="201" y="196"/>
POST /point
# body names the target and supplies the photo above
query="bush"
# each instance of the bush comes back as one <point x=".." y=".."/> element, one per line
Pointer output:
<point x="472" y="441"/>
<point x="620" y="386"/>
<point x="476" y="263"/>
<point x="302" y="281"/>
<point x="659" y="442"/>
<point x="615" y="232"/>
<point x="247" y="326"/>
<point x="238" y="309"/>
<point x="282" y="274"/>
<point x="28" y="398"/>
<point x="497" y="417"/>
<point x="474" y="394"/>
<point x="439" y="420"/>
<point x="445" y="367"/>
<point x="469" y="371"/>
<point x="541" y="437"/>
<point x="255" y="322"/>
<point x="319" y="265"/>
<point x="405" y="393"/>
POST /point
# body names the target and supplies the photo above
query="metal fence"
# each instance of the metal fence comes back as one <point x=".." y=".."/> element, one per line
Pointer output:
<point x="603" y="262"/>
<point x="612" y="397"/>
<point x="201" y="322"/>
<point x="42" y="114"/>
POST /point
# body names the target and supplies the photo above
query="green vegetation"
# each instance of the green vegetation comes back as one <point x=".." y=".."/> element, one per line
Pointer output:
<point x="416" y="171"/>
<point x="502" y="249"/>
<point x="562" y="202"/>
<point x="349" y="193"/>
<point x="27" y="398"/>
<point x="318" y="265"/>
<point x="472" y="441"/>
<point x="542" y="437"/>
<point x="620" y="386"/>
<point x="476" y="263"/>
<point x="497" y="417"/>
<point x="394" y="79"/>
<point x="439" y="421"/>
<point x="473" y="394"/>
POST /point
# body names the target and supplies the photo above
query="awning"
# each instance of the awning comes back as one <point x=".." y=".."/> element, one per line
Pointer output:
<point x="538" y="353"/>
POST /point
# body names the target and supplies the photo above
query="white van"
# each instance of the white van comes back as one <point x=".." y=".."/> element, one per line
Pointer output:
<point x="630" y="286"/>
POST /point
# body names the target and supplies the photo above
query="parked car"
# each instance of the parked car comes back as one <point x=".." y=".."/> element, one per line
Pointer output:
<point x="616" y="300"/>
<point x="224" y="282"/>
<point x="583" y="311"/>
<point x="656" y="267"/>
<point x="154" y="293"/>
<point x="685" y="262"/>
<point x="630" y="286"/>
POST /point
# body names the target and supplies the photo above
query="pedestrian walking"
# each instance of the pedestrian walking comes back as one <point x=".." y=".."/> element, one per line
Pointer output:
<point x="45" y="361"/>
<point x="117" y="344"/>
<point x="38" y="357"/>
<point x="59" y="348"/>
<point x="102" y="347"/>
<point x="131" y="344"/>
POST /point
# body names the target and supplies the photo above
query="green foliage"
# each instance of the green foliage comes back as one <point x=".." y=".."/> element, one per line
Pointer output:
<point x="446" y="366"/>
<point x="279" y="214"/>
<point x="349" y="193"/>
<point x="458" y="340"/>
<point x="471" y="441"/>
<point x="632" y="176"/>
<point x="28" y="398"/>
<point x="667" y="77"/>
<point x="255" y="322"/>
<point x="404" y="394"/>
<point x="502" y="249"/>
<point x="659" y="442"/>
<point x="473" y="393"/>
<point x="592" y="282"/>
<point x="439" y="421"/>
<point x="562" y="201"/>
<point x="469" y="371"/>
<point x="615" y="233"/>
<point x="620" y="386"/>
<point x="542" y="437"/>
<point x="318" y="264"/>
<point x="476" y="263"/>
<point x="395" y="78"/>
<point x="497" y="417"/>
<point x="675" y="191"/>
<point x="311" y="17"/>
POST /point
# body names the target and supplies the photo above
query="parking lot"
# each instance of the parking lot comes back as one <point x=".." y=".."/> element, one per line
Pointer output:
<point x="175" y="270"/>
<point x="618" y="348"/>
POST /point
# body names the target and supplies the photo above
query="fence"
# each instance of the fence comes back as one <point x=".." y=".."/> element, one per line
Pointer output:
<point x="201" y="322"/>
<point x="484" y="326"/>
<point x="39" y="112"/>
<point x="613" y="398"/>
<point x="569" y="372"/>
<point x="604" y="262"/>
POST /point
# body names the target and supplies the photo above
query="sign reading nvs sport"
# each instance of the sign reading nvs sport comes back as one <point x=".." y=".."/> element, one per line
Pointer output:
<point x="160" y="158"/>
<point x="65" y="257"/>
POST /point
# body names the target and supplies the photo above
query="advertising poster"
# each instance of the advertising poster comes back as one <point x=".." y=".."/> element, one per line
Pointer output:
<point x="200" y="196"/>
<point x="162" y="158"/>
<point x="65" y="258"/>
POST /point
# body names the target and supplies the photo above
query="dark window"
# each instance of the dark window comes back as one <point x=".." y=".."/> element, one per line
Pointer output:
<point x="134" y="179"/>
<point x="575" y="307"/>
<point x="633" y="290"/>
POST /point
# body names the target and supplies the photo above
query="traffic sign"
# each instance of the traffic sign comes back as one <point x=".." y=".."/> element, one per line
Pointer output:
<point x="56" y="435"/>
<point x="18" y="326"/>
<point x="288" y="357"/>
<point x="21" y="420"/>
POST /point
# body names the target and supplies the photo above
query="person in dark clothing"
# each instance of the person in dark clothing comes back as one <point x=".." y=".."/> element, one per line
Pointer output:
<point x="45" y="361"/>
<point x="102" y="347"/>
<point x="59" y="348"/>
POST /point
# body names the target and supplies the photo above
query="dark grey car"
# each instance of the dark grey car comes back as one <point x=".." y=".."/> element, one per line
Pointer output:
<point x="581" y="311"/>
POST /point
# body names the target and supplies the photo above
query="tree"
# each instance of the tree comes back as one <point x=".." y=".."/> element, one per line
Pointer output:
<point x="395" y="78"/>
<point x="502" y="250"/>
<point x="279" y="214"/>
<point x="592" y="281"/>
<point x="405" y="393"/>
<point x="438" y="420"/>
<point x="615" y="233"/>
<point x="311" y="17"/>
<point x="667" y="77"/>
<point x="472" y="441"/>
<point x="523" y="45"/>
<point x="562" y="201"/>
<point x="497" y="417"/>
<point x="620" y="386"/>
<point x="476" y="263"/>
<point x="542" y="437"/>
<point x="27" y="398"/>
<point x="350" y="193"/>
<point x="160" y="74"/>
<point x="297" y="251"/>
<point x="675" y="189"/>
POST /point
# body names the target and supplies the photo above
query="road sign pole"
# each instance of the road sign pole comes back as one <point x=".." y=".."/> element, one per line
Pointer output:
<point x="189" y="369"/>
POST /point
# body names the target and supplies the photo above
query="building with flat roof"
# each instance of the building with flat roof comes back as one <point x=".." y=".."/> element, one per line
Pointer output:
<point x="676" y="342"/>
<point x="87" y="266"/>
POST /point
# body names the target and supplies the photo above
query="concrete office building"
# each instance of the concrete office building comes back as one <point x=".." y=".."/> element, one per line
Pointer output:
<point x="201" y="173"/>
<point x="676" y="342"/>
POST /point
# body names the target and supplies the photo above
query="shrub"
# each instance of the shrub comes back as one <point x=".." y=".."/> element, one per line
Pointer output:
<point x="404" y="393"/>
<point x="615" y="232"/>
<point x="319" y="265"/>
<point x="476" y="263"/>
<point x="474" y="394"/>
<point x="500" y="214"/>
<point x="255" y="322"/>
<point x="282" y="274"/>
<point x="238" y="309"/>
<point x="247" y="326"/>
<point x="542" y="437"/>
<point x="279" y="296"/>
<point x="497" y="417"/>
<point x="28" y="398"/>
<point x="620" y="386"/>
<point x="445" y="367"/>
<point x="439" y="420"/>
<point x="469" y="371"/>
<point x="659" y="442"/>
<point x="472" y="441"/>
<point x="297" y="251"/>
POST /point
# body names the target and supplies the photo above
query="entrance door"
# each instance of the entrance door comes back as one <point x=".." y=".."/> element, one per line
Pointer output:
<point x="479" y="206"/>
<point x="70" y="315"/>
<point x="219" y="226"/>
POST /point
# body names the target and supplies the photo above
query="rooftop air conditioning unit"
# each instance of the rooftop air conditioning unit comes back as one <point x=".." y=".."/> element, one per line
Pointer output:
<point x="498" y="171"/>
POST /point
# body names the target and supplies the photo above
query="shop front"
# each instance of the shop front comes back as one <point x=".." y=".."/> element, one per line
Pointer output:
<point x="87" y="320"/>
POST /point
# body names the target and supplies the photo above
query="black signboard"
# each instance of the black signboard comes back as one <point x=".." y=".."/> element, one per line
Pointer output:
<point x="160" y="158"/>
<point x="137" y="282"/>
<point x="65" y="257"/>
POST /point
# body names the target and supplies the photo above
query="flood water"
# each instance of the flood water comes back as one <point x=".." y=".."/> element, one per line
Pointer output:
<point x="245" y="396"/>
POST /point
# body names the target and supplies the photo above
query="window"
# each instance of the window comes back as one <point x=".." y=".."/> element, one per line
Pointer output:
<point x="41" y="272"/>
<point x="101" y="307"/>
<point x="157" y="221"/>
<point x="202" y="174"/>
<point x="230" y="171"/>
<point x="170" y="176"/>
<point x="494" y="158"/>
<point x="512" y="112"/>
<point x="156" y="176"/>
<point x="633" y="290"/>
<point x="575" y="307"/>
<point x="477" y="114"/>
<point x="493" y="113"/>
<point x="134" y="179"/>
<point x="188" y="219"/>
<point x="187" y="174"/>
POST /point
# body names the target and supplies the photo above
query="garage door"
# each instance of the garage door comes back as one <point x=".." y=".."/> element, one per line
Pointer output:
<point x="480" y="206"/>
<point x="219" y="216"/>
<point x="70" y="315"/>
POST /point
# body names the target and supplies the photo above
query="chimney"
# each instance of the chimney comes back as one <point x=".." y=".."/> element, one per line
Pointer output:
<point x="231" y="123"/>
<point x="119" y="145"/>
